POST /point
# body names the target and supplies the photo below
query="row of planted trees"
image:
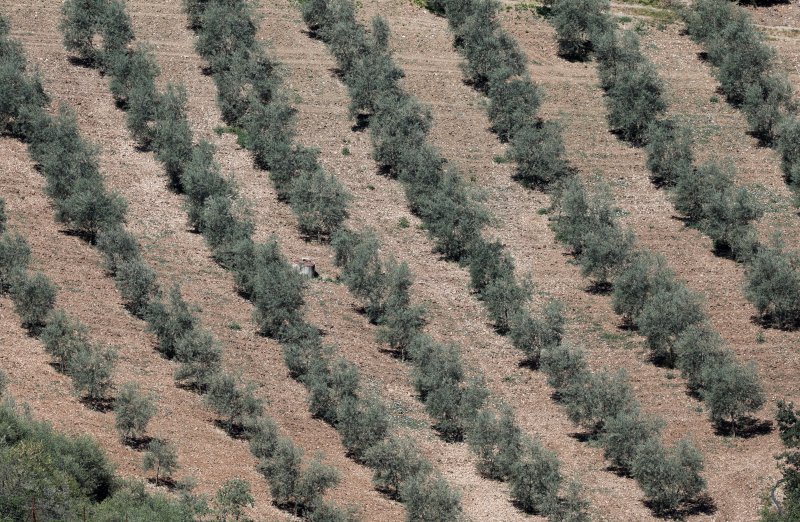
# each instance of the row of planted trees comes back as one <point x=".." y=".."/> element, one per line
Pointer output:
<point x="706" y="194"/>
<point x="69" y="164"/>
<point x="252" y="95"/>
<point x="449" y="398"/>
<point x="398" y="125"/>
<point x="645" y="290"/>
<point x="588" y="224"/>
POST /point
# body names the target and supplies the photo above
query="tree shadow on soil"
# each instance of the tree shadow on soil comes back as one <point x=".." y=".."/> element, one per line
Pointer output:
<point x="746" y="428"/>
<point x="600" y="288"/>
<point x="167" y="482"/>
<point x="138" y="443"/>
<point x="235" y="431"/>
<point x="701" y="505"/>
<point x="99" y="405"/>
<point x="77" y="61"/>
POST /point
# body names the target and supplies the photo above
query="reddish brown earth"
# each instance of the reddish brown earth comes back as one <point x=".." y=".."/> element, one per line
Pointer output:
<point x="738" y="471"/>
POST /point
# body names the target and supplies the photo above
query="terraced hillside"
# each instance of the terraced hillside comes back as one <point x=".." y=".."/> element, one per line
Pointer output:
<point x="739" y="471"/>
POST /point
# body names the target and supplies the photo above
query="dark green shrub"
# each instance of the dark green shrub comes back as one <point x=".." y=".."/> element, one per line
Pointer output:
<point x="454" y="216"/>
<point x="395" y="460"/>
<point x="133" y="69"/>
<point x="362" y="424"/>
<point x="428" y="497"/>
<point x="230" y="399"/>
<point x="82" y="21"/>
<point x="534" y="335"/>
<point x="201" y="359"/>
<point x="277" y="296"/>
<point x="664" y="316"/>
<point x="504" y="298"/>
<point x="765" y="103"/>
<point x="20" y="93"/>
<point x="90" y="208"/>
<point x="731" y="392"/>
<point x="62" y="154"/>
<point x="573" y="506"/>
<point x="454" y="405"/>
<point x="788" y="144"/>
<point x="301" y="351"/>
<point x="3" y="217"/>
<point x="63" y="338"/>
<point x="698" y="348"/>
<point x="435" y="364"/>
<point x="251" y="75"/>
<point x="536" y="479"/>
<point x="579" y="213"/>
<point x="591" y="399"/>
<point x="316" y="14"/>
<point x="15" y="254"/>
<point x="91" y="369"/>
<point x="513" y="102"/>
<point x="400" y="322"/>
<point x="486" y="46"/>
<point x="398" y="128"/>
<point x="668" y="477"/>
<point x="270" y="129"/>
<point x="572" y="219"/>
<point x="137" y="285"/>
<point x="320" y="203"/>
<point x="224" y="222"/>
<point x="262" y="433"/>
<point x="171" y="135"/>
<point x="789" y="463"/>
<point x="162" y="457"/>
<point x="312" y="484"/>
<point x="226" y="27"/>
<point x="575" y="22"/>
<point x="170" y="321"/>
<point x="63" y="474"/>
<point x="421" y="171"/>
<point x="141" y="112"/>
<point x="115" y="30"/>
<point x="488" y="262"/>
<point x="201" y="180"/>
<point x="644" y="274"/>
<point x="373" y="75"/>
<point x="282" y="471"/>
<point x="329" y="386"/>
<point x="727" y="219"/>
<point x="624" y="435"/>
<point x="773" y="286"/>
<point x="358" y="255"/>
<point x="635" y="101"/>
<point x="497" y="442"/>
<point x="292" y="487"/>
<point x="232" y="498"/>
<point x="539" y="152"/>
<point x="604" y="253"/>
<point x="741" y="56"/>
<point x="669" y="152"/>
<point x="616" y="55"/>
<point x="34" y="297"/>
<point x="563" y="364"/>
<point x="195" y="10"/>
<point x="706" y="19"/>
<point x="118" y="247"/>
<point x="347" y="40"/>
<point x="133" y="410"/>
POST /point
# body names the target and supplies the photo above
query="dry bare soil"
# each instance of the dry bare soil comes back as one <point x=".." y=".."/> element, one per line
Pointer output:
<point x="739" y="471"/>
